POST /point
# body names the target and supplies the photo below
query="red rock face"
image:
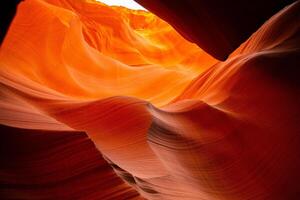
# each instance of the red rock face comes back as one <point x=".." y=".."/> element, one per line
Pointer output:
<point x="103" y="102"/>
<point x="218" y="27"/>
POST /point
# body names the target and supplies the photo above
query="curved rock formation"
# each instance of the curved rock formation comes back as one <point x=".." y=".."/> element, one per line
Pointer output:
<point x="227" y="23"/>
<point x="102" y="102"/>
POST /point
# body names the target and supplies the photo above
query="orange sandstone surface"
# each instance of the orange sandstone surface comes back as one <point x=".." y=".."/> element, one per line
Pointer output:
<point x="102" y="102"/>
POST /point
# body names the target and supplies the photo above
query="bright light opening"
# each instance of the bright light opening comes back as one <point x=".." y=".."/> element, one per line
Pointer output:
<point x="131" y="4"/>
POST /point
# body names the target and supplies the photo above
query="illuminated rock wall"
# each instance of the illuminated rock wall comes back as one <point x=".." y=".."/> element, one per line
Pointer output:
<point x="103" y="102"/>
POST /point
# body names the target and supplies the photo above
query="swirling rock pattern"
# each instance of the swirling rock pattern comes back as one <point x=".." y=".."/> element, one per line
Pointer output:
<point x="102" y="102"/>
